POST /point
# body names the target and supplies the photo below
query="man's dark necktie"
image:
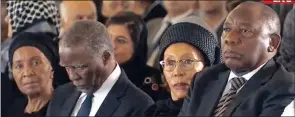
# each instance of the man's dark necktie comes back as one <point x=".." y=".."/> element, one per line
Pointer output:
<point x="225" y="100"/>
<point x="86" y="106"/>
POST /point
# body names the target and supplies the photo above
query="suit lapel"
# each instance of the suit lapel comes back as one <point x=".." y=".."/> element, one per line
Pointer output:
<point x="213" y="93"/>
<point x="256" y="81"/>
<point x="113" y="100"/>
<point x="70" y="103"/>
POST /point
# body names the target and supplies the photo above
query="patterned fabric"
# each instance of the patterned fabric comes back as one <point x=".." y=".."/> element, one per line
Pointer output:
<point x="225" y="100"/>
<point x="194" y="35"/>
<point x="24" y="13"/>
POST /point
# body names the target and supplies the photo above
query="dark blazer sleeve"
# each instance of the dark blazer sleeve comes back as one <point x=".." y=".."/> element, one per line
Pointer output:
<point x="48" y="112"/>
<point x="59" y="94"/>
<point x="142" y="107"/>
<point x="275" y="104"/>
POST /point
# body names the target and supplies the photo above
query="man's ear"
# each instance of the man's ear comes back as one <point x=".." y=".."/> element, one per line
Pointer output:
<point x="106" y="55"/>
<point x="274" y="42"/>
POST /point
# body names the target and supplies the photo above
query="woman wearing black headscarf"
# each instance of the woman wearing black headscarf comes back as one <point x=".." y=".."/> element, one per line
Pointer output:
<point x="129" y="37"/>
<point x="186" y="49"/>
<point x="29" y="16"/>
<point x="34" y="63"/>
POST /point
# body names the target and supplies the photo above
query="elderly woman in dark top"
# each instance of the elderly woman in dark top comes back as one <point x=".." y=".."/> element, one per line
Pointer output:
<point x="25" y="16"/>
<point x="186" y="49"/>
<point x="34" y="63"/>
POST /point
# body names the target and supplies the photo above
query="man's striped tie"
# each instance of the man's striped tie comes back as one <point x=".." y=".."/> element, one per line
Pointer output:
<point x="225" y="100"/>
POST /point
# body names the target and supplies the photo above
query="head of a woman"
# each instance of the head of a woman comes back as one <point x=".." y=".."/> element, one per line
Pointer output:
<point x="129" y="36"/>
<point x="33" y="62"/>
<point x="24" y="14"/>
<point x="185" y="50"/>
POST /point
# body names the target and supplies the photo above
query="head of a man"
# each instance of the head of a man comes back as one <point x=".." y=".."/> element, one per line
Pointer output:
<point x="211" y="5"/>
<point x="251" y="36"/>
<point x="177" y="7"/>
<point x="71" y="11"/>
<point x="87" y="54"/>
<point x="112" y="7"/>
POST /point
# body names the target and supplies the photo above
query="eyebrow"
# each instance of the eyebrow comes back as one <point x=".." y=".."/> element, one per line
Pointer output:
<point x="241" y="23"/>
<point x="20" y="60"/>
<point x="35" y="57"/>
<point x="122" y="37"/>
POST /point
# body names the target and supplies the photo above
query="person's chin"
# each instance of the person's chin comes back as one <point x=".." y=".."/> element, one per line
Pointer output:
<point x="83" y="89"/>
<point x="181" y="95"/>
<point x="32" y="92"/>
<point x="233" y="64"/>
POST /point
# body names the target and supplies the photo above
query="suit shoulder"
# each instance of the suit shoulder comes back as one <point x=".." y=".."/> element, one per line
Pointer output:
<point x="153" y="22"/>
<point x="213" y="70"/>
<point x="64" y="89"/>
<point x="137" y="94"/>
<point x="283" y="76"/>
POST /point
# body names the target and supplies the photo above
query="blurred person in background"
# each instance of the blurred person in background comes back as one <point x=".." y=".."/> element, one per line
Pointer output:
<point x="100" y="17"/>
<point x="287" y="53"/>
<point x="7" y="86"/>
<point x="287" y="49"/>
<point x="129" y="36"/>
<point x="71" y="11"/>
<point x="214" y="14"/>
<point x="176" y="10"/>
<point x="148" y="9"/>
<point x="110" y="8"/>
<point x="186" y="49"/>
<point x="33" y="16"/>
<point x="34" y="63"/>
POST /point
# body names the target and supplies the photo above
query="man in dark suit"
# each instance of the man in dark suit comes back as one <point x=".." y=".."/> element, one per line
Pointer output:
<point x="250" y="82"/>
<point x="99" y="87"/>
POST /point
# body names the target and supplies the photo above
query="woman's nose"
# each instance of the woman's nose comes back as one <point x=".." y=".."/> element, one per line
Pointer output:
<point x="28" y="72"/>
<point x="178" y="71"/>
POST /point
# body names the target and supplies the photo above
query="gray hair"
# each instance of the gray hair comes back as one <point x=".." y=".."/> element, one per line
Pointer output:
<point x="92" y="35"/>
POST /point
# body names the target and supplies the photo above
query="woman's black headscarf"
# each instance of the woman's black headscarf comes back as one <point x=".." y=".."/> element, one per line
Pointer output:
<point x="49" y="48"/>
<point x="135" y="67"/>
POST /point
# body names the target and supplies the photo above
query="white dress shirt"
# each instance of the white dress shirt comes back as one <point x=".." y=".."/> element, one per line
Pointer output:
<point x="100" y="94"/>
<point x="246" y="76"/>
<point x="289" y="110"/>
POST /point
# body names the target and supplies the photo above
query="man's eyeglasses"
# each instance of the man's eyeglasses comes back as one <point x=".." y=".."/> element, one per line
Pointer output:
<point x="170" y="65"/>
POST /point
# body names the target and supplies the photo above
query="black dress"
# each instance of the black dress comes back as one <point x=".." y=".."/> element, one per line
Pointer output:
<point x="166" y="107"/>
<point x="17" y="109"/>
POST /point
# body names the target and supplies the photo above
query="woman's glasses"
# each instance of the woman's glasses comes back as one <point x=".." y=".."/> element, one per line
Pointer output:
<point x="170" y="65"/>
